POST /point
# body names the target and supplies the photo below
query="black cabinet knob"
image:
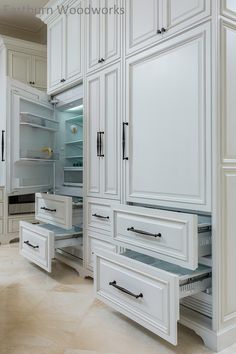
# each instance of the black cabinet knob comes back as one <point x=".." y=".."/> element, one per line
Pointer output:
<point x="163" y="30"/>
<point x="159" y="31"/>
<point x="63" y="80"/>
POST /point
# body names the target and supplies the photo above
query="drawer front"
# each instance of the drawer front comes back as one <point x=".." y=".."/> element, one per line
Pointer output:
<point x="153" y="301"/>
<point x="1" y="227"/>
<point x="1" y="195"/>
<point x="94" y="243"/>
<point x="14" y="224"/>
<point x="37" y="244"/>
<point x="54" y="209"/>
<point x="170" y="236"/>
<point x="1" y="210"/>
<point x="99" y="214"/>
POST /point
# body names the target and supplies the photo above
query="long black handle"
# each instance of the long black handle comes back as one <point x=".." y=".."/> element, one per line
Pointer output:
<point x="113" y="283"/>
<point x="141" y="232"/>
<point x="101" y="145"/>
<point x="3" y="144"/>
<point x="47" y="209"/>
<point x="123" y="141"/>
<point x="98" y="144"/>
<point x="30" y="245"/>
<point x="100" y="216"/>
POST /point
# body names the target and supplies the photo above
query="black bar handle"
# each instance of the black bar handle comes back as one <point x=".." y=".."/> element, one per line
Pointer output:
<point x="113" y="283"/>
<point x="141" y="232"/>
<point x="30" y="245"/>
<point x="3" y="144"/>
<point x="123" y="141"/>
<point x="101" y="145"/>
<point x="98" y="144"/>
<point x="47" y="209"/>
<point x="100" y="216"/>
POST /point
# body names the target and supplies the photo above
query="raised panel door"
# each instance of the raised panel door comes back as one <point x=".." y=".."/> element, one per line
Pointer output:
<point x="19" y="66"/>
<point x="169" y="115"/>
<point x="228" y="9"/>
<point x="39" y="72"/>
<point x="94" y="157"/>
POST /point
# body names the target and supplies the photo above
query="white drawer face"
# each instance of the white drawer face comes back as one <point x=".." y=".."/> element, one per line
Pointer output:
<point x="54" y="209"/>
<point x="14" y="224"/>
<point x="1" y="195"/>
<point x="37" y="244"/>
<point x="1" y="227"/>
<point x="153" y="296"/>
<point x="99" y="214"/>
<point x="170" y="236"/>
<point x="93" y="244"/>
<point x="1" y="210"/>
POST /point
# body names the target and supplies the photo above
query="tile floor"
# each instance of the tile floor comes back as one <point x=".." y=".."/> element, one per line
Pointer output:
<point x="57" y="314"/>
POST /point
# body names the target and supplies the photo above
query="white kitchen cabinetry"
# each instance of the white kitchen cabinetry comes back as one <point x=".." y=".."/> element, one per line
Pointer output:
<point x="103" y="33"/>
<point x="58" y="229"/>
<point x="65" y="48"/>
<point x="228" y="9"/>
<point x="168" y="123"/>
<point x="25" y="61"/>
<point x="148" y="22"/>
<point x="103" y="133"/>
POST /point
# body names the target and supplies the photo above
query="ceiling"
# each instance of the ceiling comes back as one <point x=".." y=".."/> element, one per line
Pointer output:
<point x="17" y="19"/>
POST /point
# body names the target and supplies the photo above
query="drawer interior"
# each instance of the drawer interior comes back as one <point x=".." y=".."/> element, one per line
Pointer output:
<point x="61" y="234"/>
<point x="190" y="281"/>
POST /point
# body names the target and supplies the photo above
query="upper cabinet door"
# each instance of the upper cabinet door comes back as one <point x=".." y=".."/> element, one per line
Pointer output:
<point x="168" y="141"/>
<point x="39" y="72"/>
<point x="74" y="44"/>
<point x="143" y="23"/>
<point x="179" y="14"/>
<point x="19" y="66"/>
<point x="93" y="33"/>
<point x="93" y="111"/>
<point x="228" y="9"/>
<point x="103" y="33"/>
<point x="111" y="137"/>
<point x="56" y="53"/>
<point x="111" y="32"/>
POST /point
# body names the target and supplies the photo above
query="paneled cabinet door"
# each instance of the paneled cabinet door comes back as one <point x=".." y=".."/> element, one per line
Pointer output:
<point x="39" y="72"/>
<point x="19" y="66"/>
<point x="168" y="109"/>
<point x="179" y="14"/>
<point x="56" y="52"/>
<point x="103" y="34"/>
<point x="103" y="141"/>
<point x="228" y="9"/>
<point x="149" y="21"/>
<point x="74" y="45"/>
<point x="143" y="23"/>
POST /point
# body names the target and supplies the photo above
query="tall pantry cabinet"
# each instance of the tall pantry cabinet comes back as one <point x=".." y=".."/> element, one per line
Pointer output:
<point x="161" y="163"/>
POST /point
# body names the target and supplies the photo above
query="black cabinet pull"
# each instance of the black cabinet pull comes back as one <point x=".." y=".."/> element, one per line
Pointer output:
<point x="124" y="140"/>
<point x="141" y="232"/>
<point x="99" y="144"/>
<point x="100" y="216"/>
<point x="63" y="80"/>
<point x="101" y="60"/>
<point x="30" y="245"/>
<point x="163" y="30"/>
<point x="159" y="31"/>
<point x="3" y="144"/>
<point x="47" y="209"/>
<point x="113" y="283"/>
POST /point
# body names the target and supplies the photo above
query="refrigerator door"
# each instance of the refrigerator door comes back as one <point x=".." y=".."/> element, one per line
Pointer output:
<point x="31" y="130"/>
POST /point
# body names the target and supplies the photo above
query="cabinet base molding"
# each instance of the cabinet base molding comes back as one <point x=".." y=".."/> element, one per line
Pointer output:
<point x="216" y="341"/>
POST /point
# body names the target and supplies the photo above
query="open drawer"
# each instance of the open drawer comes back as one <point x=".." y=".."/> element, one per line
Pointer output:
<point x="147" y="290"/>
<point x="175" y="237"/>
<point x="39" y="242"/>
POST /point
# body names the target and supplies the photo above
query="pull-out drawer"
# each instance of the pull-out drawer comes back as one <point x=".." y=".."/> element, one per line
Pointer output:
<point x="170" y="236"/>
<point x="147" y="290"/>
<point x="38" y="242"/>
<point x="54" y="209"/>
<point x="99" y="214"/>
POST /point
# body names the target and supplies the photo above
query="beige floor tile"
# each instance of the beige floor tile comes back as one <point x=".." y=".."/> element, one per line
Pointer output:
<point x="56" y="313"/>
